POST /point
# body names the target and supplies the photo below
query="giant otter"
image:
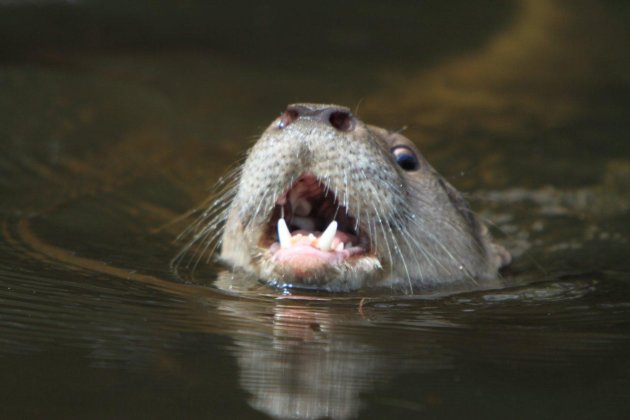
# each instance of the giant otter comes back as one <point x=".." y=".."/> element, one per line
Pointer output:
<point x="325" y="201"/>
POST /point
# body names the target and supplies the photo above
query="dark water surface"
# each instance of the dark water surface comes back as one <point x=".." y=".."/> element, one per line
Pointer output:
<point x="116" y="119"/>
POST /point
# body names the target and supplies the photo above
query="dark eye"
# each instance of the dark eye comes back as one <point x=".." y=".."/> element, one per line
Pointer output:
<point x="405" y="158"/>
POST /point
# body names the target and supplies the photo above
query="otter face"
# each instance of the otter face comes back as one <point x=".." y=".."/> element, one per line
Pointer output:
<point x="325" y="201"/>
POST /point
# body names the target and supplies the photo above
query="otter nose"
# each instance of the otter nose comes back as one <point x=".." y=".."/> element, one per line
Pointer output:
<point x="336" y="116"/>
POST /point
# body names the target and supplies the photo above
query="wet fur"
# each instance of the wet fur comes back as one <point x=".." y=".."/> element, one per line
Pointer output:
<point x="422" y="229"/>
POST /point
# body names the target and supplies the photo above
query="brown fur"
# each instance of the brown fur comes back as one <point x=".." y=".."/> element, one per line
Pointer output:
<point x="422" y="231"/>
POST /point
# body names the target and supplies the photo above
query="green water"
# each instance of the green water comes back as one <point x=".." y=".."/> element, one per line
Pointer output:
<point x="116" y="119"/>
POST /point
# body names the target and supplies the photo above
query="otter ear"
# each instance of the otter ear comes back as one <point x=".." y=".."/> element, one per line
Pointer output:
<point x="505" y="258"/>
<point x="502" y="257"/>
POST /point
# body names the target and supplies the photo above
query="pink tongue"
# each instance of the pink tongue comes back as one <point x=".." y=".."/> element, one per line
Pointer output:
<point x="303" y="256"/>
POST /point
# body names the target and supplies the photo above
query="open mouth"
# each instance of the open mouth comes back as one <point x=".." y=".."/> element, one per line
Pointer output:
<point x="309" y="229"/>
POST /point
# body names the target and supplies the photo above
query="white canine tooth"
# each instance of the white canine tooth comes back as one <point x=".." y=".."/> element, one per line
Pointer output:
<point x="284" y="236"/>
<point x="325" y="241"/>
<point x="339" y="247"/>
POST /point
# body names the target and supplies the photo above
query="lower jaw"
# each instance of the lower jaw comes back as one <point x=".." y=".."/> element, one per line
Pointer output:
<point x="361" y="273"/>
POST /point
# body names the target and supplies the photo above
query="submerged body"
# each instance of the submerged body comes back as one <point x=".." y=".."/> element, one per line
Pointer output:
<point x="324" y="201"/>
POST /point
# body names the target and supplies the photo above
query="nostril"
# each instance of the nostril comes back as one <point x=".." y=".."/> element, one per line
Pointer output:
<point x="341" y="120"/>
<point x="339" y="117"/>
<point x="288" y="116"/>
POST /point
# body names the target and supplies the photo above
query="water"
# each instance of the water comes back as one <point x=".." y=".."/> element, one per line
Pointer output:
<point x="116" y="120"/>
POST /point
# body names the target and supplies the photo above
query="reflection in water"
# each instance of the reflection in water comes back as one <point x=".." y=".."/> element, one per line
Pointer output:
<point x="100" y="151"/>
<point x="317" y="356"/>
<point x="303" y="358"/>
<point x="303" y="367"/>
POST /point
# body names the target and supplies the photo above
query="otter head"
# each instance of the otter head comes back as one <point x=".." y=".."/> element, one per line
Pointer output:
<point x="325" y="201"/>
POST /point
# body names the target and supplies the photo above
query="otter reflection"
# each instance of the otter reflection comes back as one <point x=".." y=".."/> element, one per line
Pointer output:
<point x="307" y="360"/>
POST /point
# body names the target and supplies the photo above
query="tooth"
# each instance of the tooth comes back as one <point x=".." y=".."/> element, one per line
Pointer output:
<point x="339" y="247"/>
<point x="284" y="236"/>
<point x="325" y="241"/>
